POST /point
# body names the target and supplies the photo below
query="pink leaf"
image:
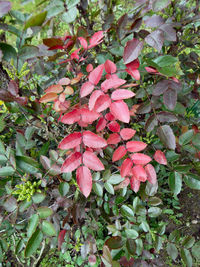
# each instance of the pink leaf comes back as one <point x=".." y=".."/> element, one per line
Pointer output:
<point x="135" y="146"/>
<point x="114" y="126"/>
<point x="139" y="158"/>
<point x="120" y="94"/>
<point x="127" y="133"/>
<point x="151" y="173"/>
<point x="135" y="184"/>
<point x="113" y="82"/>
<point x="56" y="88"/>
<point x="139" y="173"/>
<point x="96" y="39"/>
<point x="71" y="141"/>
<point x="103" y="102"/>
<point x="126" y="167"/>
<point x="93" y="98"/>
<point x="89" y="68"/>
<point x="120" y="110"/>
<point x="134" y="73"/>
<point x="61" y="238"/>
<point x="113" y="139"/>
<point x="64" y="81"/>
<point x="92" y="140"/>
<point x="72" y="162"/>
<point x="86" y="89"/>
<point x="101" y="124"/>
<point x="84" y="180"/>
<point x="159" y="156"/>
<point x="83" y="42"/>
<point x="95" y="75"/>
<point x="119" y="153"/>
<point x="88" y="116"/>
<point x="91" y="161"/>
<point x="110" y="67"/>
<point x="151" y="70"/>
<point x="71" y="117"/>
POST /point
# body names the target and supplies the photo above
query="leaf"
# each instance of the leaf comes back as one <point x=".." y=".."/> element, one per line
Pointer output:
<point x="186" y="137"/>
<point x="172" y="251"/>
<point x="131" y="246"/>
<point x="110" y="67"/>
<point x="165" y="116"/>
<point x="139" y="173"/>
<point x="92" y="140"/>
<point x="109" y="187"/>
<point x="160" y="4"/>
<point x="196" y="250"/>
<point x="175" y="183"/>
<point x="84" y="180"/>
<point x="135" y="184"/>
<point x="154" y="201"/>
<point x="93" y="98"/>
<point x="8" y="51"/>
<point x="98" y="189"/>
<point x="44" y="212"/>
<point x="114" y="127"/>
<point x="115" y="179"/>
<point x="155" y="39"/>
<point x="113" y="139"/>
<point x="91" y="161"/>
<point x="86" y="89"/>
<point x="192" y="181"/>
<point x="127" y="211"/>
<point x="61" y="238"/>
<point x="70" y="15"/>
<point x="127" y="133"/>
<point x="186" y="257"/>
<point x="63" y="188"/>
<point x="48" y="228"/>
<point x="33" y="243"/>
<point x="72" y="162"/>
<point x="113" y="82"/>
<point x="188" y="241"/>
<point x="119" y="153"/>
<point x="36" y="20"/>
<point x="114" y="242"/>
<point x="28" y="51"/>
<point x="170" y="98"/>
<point x="6" y="171"/>
<point x="71" y="141"/>
<point x="141" y="159"/>
<point x="151" y="174"/>
<point x="160" y="88"/>
<point x="159" y="156"/>
<point x="151" y="123"/>
<point x="165" y="61"/>
<point x="170" y="33"/>
<point x="32" y="225"/>
<point x="102" y="103"/>
<point x="154" y="212"/>
<point x="49" y="97"/>
<point x="5" y="7"/>
<point x="126" y="167"/>
<point x="71" y="117"/>
<point x="132" y="50"/>
<point x="167" y="136"/>
<point x="131" y="233"/>
<point x="120" y="111"/>
<point x="121" y="94"/>
<point x="55" y="88"/>
<point x="38" y="197"/>
<point x="96" y="39"/>
<point x="135" y="146"/>
<point x="96" y="74"/>
<point x="151" y="189"/>
<point x="154" y="21"/>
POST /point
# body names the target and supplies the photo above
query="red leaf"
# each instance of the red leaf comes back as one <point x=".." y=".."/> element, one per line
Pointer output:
<point x="119" y="153"/>
<point x="120" y="110"/>
<point x="91" y="161"/>
<point x="72" y="162"/>
<point x="120" y="94"/>
<point x="49" y="97"/>
<point x="127" y="133"/>
<point x="101" y="124"/>
<point x="139" y="173"/>
<point x="86" y="89"/>
<point x="135" y="146"/>
<point x="135" y="184"/>
<point x="71" y="117"/>
<point x="89" y="68"/>
<point x="103" y="102"/>
<point x="132" y="50"/>
<point x="133" y="64"/>
<point x="56" y="88"/>
<point x="84" y="180"/>
<point x="83" y="42"/>
<point x="109" y="117"/>
<point x="114" y="126"/>
<point x="113" y="82"/>
<point x="134" y="73"/>
<point x="96" y="39"/>
<point x="159" y="156"/>
<point x="71" y="141"/>
<point x="126" y="167"/>
<point x="88" y="116"/>
<point x="61" y="238"/>
<point x="93" y="98"/>
<point x="113" y="139"/>
<point x="141" y="159"/>
<point x="95" y="75"/>
<point x="151" y="173"/>
<point x="151" y="70"/>
<point x="110" y="67"/>
<point x="92" y="140"/>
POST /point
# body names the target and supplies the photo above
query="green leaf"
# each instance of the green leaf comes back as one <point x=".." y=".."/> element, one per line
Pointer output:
<point x="172" y="251"/>
<point x="131" y="246"/>
<point x="175" y="182"/>
<point x="174" y="236"/>
<point x="32" y="225"/>
<point x="196" y="140"/>
<point x="196" y="250"/>
<point x="63" y="188"/>
<point x="71" y="3"/>
<point x="154" y="201"/>
<point x="186" y="257"/>
<point x="151" y="189"/>
<point x="186" y="137"/>
<point x="115" y="179"/>
<point x="158" y="243"/>
<point x="44" y="212"/>
<point x="33" y="243"/>
<point x="28" y="51"/>
<point x="131" y="233"/>
<point x="36" y="20"/>
<point x="154" y="211"/>
<point x="27" y="164"/>
<point x="144" y="226"/>
<point x="70" y="15"/>
<point x="125" y="210"/>
<point x="48" y="228"/>
<point x="19" y="246"/>
<point x="192" y="181"/>
<point x="109" y="188"/>
<point x="188" y="241"/>
<point x="38" y="197"/>
<point x="98" y="189"/>
<point x="114" y="242"/>
<point x="167" y="60"/>
<point x="160" y="4"/>
<point x="24" y="205"/>
<point x="2" y="148"/>
<point x="6" y="171"/>
<point x="139" y="246"/>
<point x="29" y="132"/>
<point x="8" y="51"/>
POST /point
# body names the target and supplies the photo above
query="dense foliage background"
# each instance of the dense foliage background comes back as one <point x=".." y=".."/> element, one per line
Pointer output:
<point x="100" y="138"/>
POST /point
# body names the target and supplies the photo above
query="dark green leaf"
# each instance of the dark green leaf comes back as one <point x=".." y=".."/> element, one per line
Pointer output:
<point x="131" y="246"/>
<point x="186" y="257"/>
<point x="19" y="246"/>
<point x="28" y="51"/>
<point x="158" y="243"/>
<point x="144" y="226"/>
<point x="139" y="246"/>
<point x="192" y="181"/>
<point x="63" y="188"/>
<point x="196" y="250"/>
<point x="115" y="179"/>
<point x="70" y="15"/>
<point x="33" y="243"/>
<point x="109" y="188"/>
<point x="186" y="137"/>
<point x="166" y="60"/>
<point x="32" y="225"/>
<point x="114" y="242"/>
<point x="38" y="197"/>
<point x="44" y="212"/>
<point x="174" y="236"/>
<point x="8" y="51"/>
<point x="98" y="189"/>
<point x="172" y="251"/>
<point x="175" y="182"/>
<point x="125" y="210"/>
<point x="188" y="241"/>
<point x="154" y="201"/>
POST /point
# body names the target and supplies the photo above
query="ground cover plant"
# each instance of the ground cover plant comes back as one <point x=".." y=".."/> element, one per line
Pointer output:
<point x="99" y="145"/>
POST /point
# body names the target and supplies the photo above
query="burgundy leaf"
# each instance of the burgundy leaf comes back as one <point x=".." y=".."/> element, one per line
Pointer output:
<point x="159" y="156"/>
<point x="92" y="260"/>
<point x="72" y="162"/>
<point x="121" y="94"/>
<point x="13" y="88"/>
<point x="71" y="141"/>
<point x="84" y="180"/>
<point x="61" y="238"/>
<point x="160" y="87"/>
<point x="141" y="159"/>
<point x="86" y="89"/>
<point x="154" y="21"/>
<point x="139" y="173"/>
<point x="96" y="74"/>
<point x="167" y="136"/>
<point x="135" y="146"/>
<point x="110" y="67"/>
<point x="91" y="161"/>
<point x="151" y="173"/>
<point x="155" y="39"/>
<point x="169" y="32"/>
<point x="132" y="50"/>
<point x="170" y="98"/>
<point x="92" y="140"/>
<point x="113" y="139"/>
<point x="126" y="167"/>
<point x="127" y="133"/>
<point x="71" y="117"/>
<point x="133" y="64"/>
<point x="119" y="153"/>
<point x="120" y="111"/>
